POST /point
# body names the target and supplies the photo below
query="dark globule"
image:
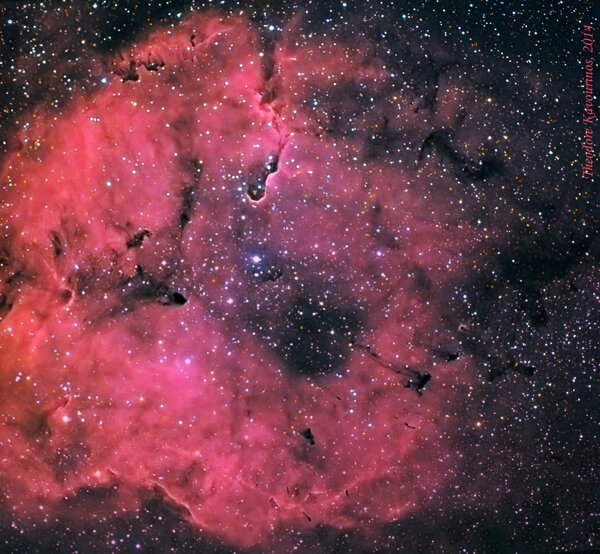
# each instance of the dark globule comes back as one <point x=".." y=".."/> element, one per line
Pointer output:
<point x="258" y="188"/>
<point x="176" y="298"/>
<point x="316" y="336"/>
<point x="138" y="239"/>
<point x="256" y="191"/>
<point x="308" y="435"/>
<point x="145" y="287"/>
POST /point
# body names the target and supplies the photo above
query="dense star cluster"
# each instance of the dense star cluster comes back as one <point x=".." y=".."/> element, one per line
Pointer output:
<point x="310" y="277"/>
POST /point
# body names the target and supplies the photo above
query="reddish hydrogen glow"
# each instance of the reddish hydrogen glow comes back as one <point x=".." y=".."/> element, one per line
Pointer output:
<point x="144" y="181"/>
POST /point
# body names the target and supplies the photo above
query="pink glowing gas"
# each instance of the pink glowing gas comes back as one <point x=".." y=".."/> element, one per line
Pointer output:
<point x="148" y="298"/>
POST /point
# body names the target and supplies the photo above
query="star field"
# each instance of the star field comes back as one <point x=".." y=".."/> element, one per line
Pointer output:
<point x="297" y="277"/>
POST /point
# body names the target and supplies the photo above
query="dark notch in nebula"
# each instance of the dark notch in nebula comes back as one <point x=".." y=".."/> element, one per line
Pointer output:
<point x="267" y="44"/>
<point x="188" y="193"/>
<point x="308" y="435"/>
<point x="130" y="71"/>
<point x="57" y="245"/>
<point x="257" y="188"/>
<point x="13" y="276"/>
<point x="136" y="240"/>
<point x="5" y="305"/>
<point x="144" y="287"/>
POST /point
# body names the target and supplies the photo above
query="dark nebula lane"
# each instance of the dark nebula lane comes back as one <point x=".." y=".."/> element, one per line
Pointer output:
<point x="300" y="278"/>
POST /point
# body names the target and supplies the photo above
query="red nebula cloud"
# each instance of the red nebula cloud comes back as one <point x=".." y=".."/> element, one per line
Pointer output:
<point x="144" y="343"/>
